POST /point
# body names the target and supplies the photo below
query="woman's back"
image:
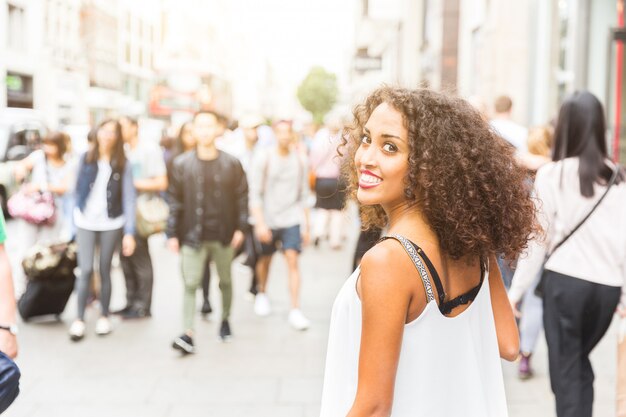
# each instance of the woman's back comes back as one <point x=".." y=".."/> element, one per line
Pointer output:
<point x="597" y="251"/>
<point x="447" y="365"/>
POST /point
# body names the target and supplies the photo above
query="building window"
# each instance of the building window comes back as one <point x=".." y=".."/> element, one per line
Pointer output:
<point x="565" y="74"/>
<point x="128" y="53"/>
<point x="16" y="29"/>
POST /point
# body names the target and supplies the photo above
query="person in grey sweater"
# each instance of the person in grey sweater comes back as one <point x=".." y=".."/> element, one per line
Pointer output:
<point x="278" y="203"/>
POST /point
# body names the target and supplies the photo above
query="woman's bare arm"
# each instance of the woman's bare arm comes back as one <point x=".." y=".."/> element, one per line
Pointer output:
<point x="385" y="294"/>
<point x="506" y="328"/>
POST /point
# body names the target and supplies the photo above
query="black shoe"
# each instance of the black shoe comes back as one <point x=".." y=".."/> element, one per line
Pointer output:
<point x="206" y="308"/>
<point x="135" y="313"/>
<point x="123" y="311"/>
<point x="225" y="333"/>
<point x="184" y="344"/>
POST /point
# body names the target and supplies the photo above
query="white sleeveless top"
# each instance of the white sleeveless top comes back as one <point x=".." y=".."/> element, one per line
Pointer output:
<point x="449" y="366"/>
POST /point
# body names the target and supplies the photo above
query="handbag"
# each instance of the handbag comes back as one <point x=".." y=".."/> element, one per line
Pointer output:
<point x="9" y="382"/>
<point x="540" y="285"/>
<point x="42" y="262"/>
<point x="152" y="214"/>
<point x="35" y="207"/>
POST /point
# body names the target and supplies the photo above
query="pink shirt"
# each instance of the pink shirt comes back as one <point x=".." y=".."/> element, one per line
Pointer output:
<point x="324" y="159"/>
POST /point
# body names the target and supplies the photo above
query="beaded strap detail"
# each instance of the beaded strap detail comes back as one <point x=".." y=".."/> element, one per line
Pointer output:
<point x="417" y="261"/>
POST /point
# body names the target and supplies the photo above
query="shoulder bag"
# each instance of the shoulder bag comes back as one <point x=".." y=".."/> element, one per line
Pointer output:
<point x="540" y="285"/>
<point x="152" y="214"/>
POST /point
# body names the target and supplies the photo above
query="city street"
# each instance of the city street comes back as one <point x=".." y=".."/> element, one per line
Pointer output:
<point x="267" y="369"/>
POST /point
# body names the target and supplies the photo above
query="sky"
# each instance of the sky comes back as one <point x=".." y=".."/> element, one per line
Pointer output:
<point x="286" y="37"/>
<point x="296" y="34"/>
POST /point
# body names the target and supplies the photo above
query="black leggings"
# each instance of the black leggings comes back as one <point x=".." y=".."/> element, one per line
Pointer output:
<point x="87" y="240"/>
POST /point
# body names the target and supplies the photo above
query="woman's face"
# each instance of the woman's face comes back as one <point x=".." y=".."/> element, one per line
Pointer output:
<point x="50" y="149"/>
<point x="107" y="136"/>
<point x="189" y="141"/>
<point x="382" y="159"/>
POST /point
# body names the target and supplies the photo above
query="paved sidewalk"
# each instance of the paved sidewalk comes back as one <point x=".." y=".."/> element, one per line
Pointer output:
<point x="267" y="370"/>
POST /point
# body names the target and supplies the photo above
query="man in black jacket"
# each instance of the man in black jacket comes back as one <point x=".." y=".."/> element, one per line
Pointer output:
<point x="208" y="197"/>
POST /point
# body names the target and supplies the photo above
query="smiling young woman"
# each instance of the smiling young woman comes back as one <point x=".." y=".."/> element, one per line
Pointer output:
<point x="419" y="328"/>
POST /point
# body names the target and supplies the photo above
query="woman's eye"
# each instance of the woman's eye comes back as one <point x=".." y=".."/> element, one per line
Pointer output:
<point x="366" y="140"/>
<point x="389" y="147"/>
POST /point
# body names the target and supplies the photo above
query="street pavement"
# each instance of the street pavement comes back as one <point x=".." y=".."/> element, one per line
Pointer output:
<point x="267" y="369"/>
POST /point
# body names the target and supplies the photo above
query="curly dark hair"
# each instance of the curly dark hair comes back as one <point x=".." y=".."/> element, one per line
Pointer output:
<point x="462" y="175"/>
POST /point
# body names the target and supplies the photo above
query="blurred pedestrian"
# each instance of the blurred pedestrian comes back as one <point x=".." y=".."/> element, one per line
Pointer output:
<point x="420" y="327"/>
<point x="583" y="252"/>
<point x="150" y="179"/>
<point x="223" y="137"/>
<point x="185" y="141"/>
<point x="48" y="170"/>
<point x="278" y="202"/>
<point x="502" y="122"/>
<point x="531" y="323"/>
<point x="540" y="140"/>
<point x="367" y="240"/>
<point x="104" y="214"/>
<point x="516" y="135"/>
<point x="330" y="193"/>
<point x="208" y="197"/>
<point x="246" y="147"/>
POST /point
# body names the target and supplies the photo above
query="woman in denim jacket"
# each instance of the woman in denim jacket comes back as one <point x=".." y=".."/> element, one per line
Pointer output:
<point x="104" y="212"/>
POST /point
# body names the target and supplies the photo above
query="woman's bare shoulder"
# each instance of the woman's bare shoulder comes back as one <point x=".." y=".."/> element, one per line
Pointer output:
<point x="386" y="264"/>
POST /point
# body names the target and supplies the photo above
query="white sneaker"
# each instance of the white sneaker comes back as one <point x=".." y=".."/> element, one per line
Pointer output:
<point x="77" y="330"/>
<point x="297" y="320"/>
<point x="262" y="305"/>
<point x="103" y="326"/>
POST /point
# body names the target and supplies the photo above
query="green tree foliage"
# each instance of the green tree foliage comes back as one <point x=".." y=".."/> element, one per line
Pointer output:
<point x="318" y="93"/>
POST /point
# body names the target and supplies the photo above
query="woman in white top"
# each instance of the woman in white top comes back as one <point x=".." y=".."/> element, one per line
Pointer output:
<point x="584" y="278"/>
<point x="104" y="216"/>
<point x="420" y="327"/>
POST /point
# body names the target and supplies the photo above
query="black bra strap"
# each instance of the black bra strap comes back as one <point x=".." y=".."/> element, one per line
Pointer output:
<point x="417" y="254"/>
<point x="448" y="306"/>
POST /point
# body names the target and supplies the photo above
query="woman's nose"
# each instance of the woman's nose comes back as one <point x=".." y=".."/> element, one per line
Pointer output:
<point x="368" y="157"/>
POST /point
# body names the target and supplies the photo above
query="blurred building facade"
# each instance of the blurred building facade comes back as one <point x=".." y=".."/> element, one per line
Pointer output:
<point x="21" y="43"/>
<point x="61" y="74"/>
<point x="534" y="51"/>
<point x="80" y="61"/>
<point x="387" y="45"/>
<point x="192" y="67"/>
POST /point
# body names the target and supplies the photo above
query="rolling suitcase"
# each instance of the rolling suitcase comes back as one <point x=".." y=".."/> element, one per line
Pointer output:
<point x="46" y="297"/>
<point x="50" y="273"/>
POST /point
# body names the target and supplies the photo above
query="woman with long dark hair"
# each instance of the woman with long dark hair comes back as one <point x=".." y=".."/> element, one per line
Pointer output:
<point x="584" y="276"/>
<point x="104" y="215"/>
<point x="185" y="141"/>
